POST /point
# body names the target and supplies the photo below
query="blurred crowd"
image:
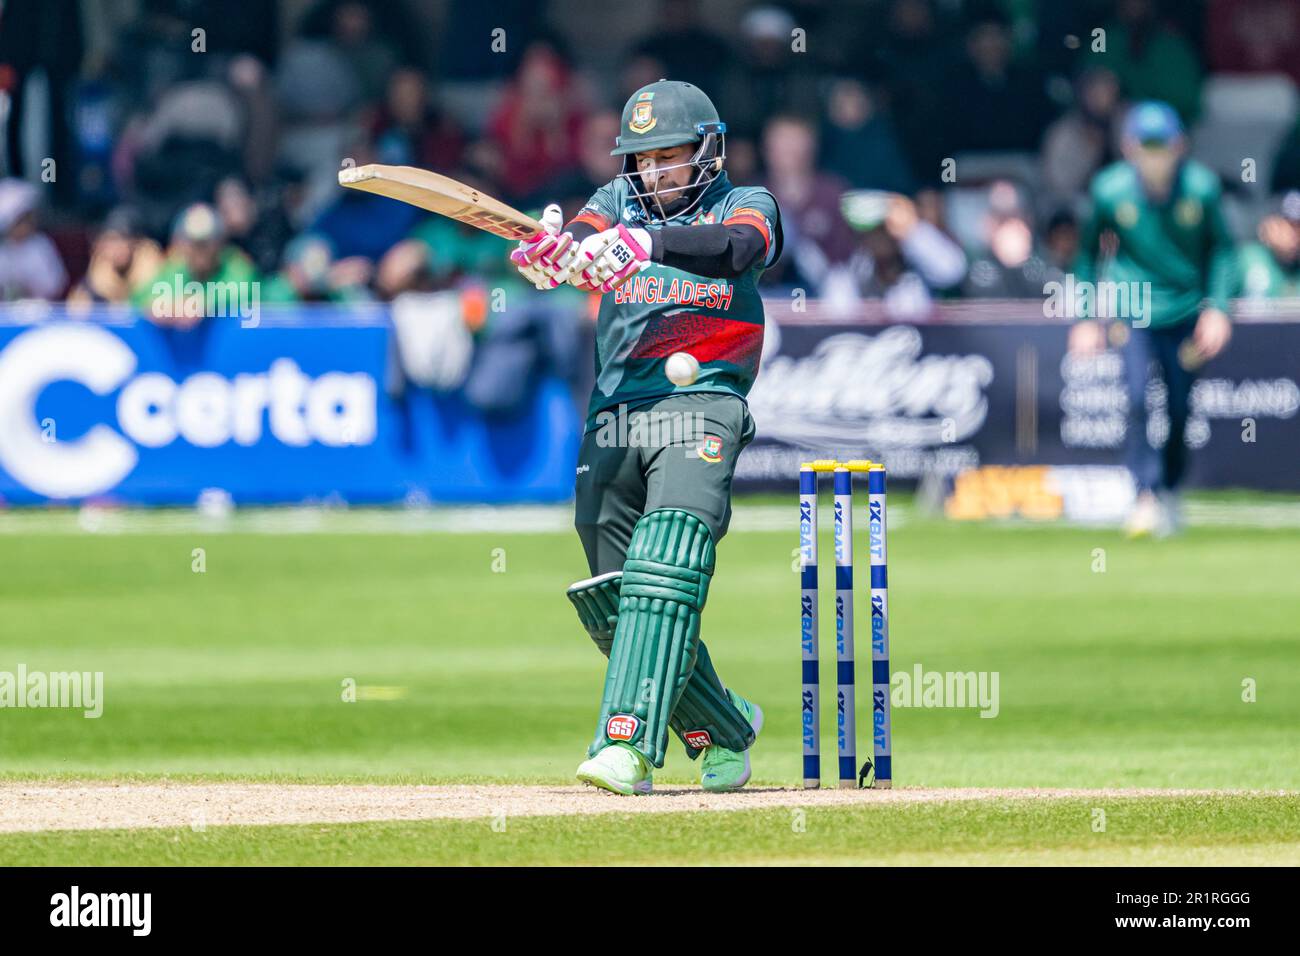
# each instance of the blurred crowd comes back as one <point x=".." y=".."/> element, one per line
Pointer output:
<point x="919" y="149"/>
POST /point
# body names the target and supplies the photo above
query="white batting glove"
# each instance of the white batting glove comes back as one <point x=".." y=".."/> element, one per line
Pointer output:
<point x="608" y="259"/>
<point x="542" y="258"/>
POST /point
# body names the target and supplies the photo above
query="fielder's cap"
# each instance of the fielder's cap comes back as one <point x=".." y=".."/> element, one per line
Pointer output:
<point x="1153" y="123"/>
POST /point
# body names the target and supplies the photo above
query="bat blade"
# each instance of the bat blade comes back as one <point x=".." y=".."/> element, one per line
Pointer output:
<point x="443" y="195"/>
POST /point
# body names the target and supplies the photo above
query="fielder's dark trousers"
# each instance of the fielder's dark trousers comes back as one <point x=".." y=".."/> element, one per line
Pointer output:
<point x="1147" y="352"/>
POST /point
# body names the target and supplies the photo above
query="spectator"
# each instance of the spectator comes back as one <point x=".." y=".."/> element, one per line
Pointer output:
<point x="189" y="143"/>
<point x="1151" y="61"/>
<point x="407" y="267"/>
<point x="816" y="236"/>
<point x="1083" y="140"/>
<point x="537" y="124"/>
<point x="408" y="131"/>
<point x="637" y="71"/>
<point x="930" y="207"/>
<point x="454" y="251"/>
<point x="30" y="267"/>
<point x="252" y="84"/>
<point x="358" y="223"/>
<point x="199" y="253"/>
<point x="1062" y="244"/>
<point x="318" y="88"/>
<point x="858" y="141"/>
<point x="1008" y="267"/>
<point x="767" y="77"/>
<point x="311" y="274"/>
<point x="41" y="48"/>
<point x="998" y="105"/>
<point x="687" y="49"/>
<point x="901" y="258"/>
<point x="459" y="61"/>
<point x="914" y="53"/>
<point x="742" y="161"/>
<point x="348" y="28"/>
<point x="595" y="168"/>
<point x="261" y="238"/>
<point x="121" y="261"/>
<point x="1270" y="268"/>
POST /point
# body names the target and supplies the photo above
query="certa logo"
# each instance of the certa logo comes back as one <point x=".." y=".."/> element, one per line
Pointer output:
<point x="622" y="727"/>
<point x="205" y="410"/>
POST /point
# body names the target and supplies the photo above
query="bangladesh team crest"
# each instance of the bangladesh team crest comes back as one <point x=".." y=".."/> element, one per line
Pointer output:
<point x="711" y="448"/>
<point x="643" y="117"/>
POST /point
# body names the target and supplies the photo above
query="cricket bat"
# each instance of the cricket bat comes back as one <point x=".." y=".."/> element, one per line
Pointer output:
<point x="442" y="195"/>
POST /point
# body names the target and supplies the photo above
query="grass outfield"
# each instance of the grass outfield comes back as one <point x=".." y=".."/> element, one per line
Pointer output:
<point x="1201" y="831"/>
<point x="471" y="667"/>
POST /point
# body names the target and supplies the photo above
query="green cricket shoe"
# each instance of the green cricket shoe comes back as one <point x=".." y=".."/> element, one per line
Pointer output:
<point x="619" y="768"/>
<point x="724" y="770"/>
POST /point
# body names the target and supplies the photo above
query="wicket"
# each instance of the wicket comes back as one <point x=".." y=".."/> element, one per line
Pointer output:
<point x="846" y="690"/>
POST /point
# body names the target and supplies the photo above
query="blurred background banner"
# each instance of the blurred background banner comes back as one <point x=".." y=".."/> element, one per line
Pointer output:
<point x="993" y="384"/>
<point x="305" y="406"/>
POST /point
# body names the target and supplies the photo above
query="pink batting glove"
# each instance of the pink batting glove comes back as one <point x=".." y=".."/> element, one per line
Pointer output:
<point x="541" y="258"/>
<point x="612" y="257"/>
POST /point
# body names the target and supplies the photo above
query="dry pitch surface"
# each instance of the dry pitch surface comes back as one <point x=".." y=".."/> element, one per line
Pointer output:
<point x="32" y="807"/>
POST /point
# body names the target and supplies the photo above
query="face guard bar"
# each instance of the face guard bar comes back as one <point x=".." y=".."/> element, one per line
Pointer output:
<point x="676" y="201"/>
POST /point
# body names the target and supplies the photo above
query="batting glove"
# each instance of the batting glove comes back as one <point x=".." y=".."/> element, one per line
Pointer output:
<point x="542" y="258"/>
<point x="608" y="259"/>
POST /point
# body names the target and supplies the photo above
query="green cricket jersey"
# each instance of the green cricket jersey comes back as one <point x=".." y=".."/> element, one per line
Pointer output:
<point x="662" y="310"/>
<point x="1181" y="246"/>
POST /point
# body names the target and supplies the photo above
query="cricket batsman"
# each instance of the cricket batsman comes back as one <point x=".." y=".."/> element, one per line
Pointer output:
<point x="676" y="252"/>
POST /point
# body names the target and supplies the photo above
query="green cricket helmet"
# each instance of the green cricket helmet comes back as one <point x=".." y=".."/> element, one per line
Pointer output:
<point x="662" y="115"/>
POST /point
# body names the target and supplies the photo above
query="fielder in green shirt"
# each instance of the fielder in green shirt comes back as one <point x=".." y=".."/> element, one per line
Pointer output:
<point x="675" y="250"/>
<point x="1157" y="234"/>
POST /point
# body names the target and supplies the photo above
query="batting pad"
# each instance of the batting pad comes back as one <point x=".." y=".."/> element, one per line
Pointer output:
<point x="704" y="715"/>
<point x="665" y="584"/>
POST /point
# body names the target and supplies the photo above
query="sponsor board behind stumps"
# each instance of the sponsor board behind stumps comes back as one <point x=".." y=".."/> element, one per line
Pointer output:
<point x="994" y="385"/>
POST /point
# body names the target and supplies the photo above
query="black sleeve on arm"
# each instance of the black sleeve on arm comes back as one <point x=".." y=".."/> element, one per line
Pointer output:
<point x="715" y="250"/>
<point x="580" y="231"/>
